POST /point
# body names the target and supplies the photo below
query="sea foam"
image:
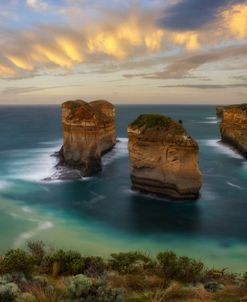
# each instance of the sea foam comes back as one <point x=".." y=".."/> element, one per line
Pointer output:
<point x="221" y="148"/>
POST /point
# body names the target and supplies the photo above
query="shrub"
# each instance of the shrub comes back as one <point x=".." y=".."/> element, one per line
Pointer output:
<point x="83" y="289"/>
<point x="127" y="263"/>
<point x="69" y="262"/>
<point x="94" y="266"/>
<point x="78" y="287"/>
<point x="45" y="293"/>
<point x="37" y="249"/>
<point x="105" y="293"/>
<point x="182" y="269"/>
<point x="213" y="287"/>
<point x="26" y="297"/>
<point x="16" y="260"/>
<point x="8" y="292"/>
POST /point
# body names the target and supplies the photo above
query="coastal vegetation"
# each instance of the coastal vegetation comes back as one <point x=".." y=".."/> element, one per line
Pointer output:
<point x="42" y="274"/>
<point x="146" y="121"/>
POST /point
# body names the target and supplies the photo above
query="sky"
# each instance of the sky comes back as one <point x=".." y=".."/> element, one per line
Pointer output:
<point x="132" y="51"/>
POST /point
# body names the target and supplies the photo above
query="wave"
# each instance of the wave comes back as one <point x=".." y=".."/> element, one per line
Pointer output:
<point x="233" y="185"/>
<point x="32" y="164"/>
<point x="4" y="185"/>
<point x="208" y="122"/>
<point x="23" y="237"/>
<point x="221" y="148"/>
<point x="211" y="118"/>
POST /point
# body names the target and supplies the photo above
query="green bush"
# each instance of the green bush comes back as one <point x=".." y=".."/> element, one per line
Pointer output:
<point x="68" y="262"/>
<point x="81" y="288"/>
<point x="213" y="286"/>
<point x="8" y="292"/>
<point x="94" y="266"/>
<point x="182" y="269"/>
<point x="104" y="293"/>
<point x="37" y="249"/>
<point x="16" y="260"/>
<point x="78" y="287"/>
<point x="127" y="263"/>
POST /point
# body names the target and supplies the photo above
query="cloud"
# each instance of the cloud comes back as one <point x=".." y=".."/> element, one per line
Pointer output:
<point x="182" y="67"/>
<point x="37" y="4"/>
<point x="26" y="90"/>
<point x="98" y="34"/>
<point x="206" y="86"/>
<point x="187" y="15"/>
<point x="236" y="20"/>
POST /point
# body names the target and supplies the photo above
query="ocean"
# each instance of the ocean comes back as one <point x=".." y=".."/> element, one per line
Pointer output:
<point x="101" y="215"/>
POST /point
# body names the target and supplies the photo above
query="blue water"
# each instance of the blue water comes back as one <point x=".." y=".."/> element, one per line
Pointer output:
<point x="101" y="215"/>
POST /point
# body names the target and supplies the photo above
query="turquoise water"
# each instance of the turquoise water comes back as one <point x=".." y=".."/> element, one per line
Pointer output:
<point x="101" y="215"/>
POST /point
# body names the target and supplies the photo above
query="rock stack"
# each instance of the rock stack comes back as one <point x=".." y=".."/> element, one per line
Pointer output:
<point x="89" y="131"/>
<point x="163" y="157"/>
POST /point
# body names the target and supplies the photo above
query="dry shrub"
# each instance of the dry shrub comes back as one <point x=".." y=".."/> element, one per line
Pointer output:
<point x="46" y="294"/>
<point x="177" y="292"/>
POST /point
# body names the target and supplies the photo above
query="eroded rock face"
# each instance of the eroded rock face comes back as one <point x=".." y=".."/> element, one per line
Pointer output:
<point x="88" y="132"/>
<point x="233" y="127"/>
<point x="164" y="159"/>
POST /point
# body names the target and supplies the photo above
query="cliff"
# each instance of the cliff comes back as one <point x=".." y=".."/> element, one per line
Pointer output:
<point x="88" y="132"/>
<point x="164" y="159"/>
<point x="233" y="127"/>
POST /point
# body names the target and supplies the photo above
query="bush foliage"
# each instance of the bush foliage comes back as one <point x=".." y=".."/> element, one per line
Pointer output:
<point x="45" y="275"/>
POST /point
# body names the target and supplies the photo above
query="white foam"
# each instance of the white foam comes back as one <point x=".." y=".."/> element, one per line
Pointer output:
<point x="26" y="209"/>
<point x="23" y="237"/>
<point x="208" y="122"/>
<point x="4" y="185"/>
<point x="221" y="148"/>
<point x="233" y="185"/>
<point x="211" y="118"/>
<point x="32" y="164"/>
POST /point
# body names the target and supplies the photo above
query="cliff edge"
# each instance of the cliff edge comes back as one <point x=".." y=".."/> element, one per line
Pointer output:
<point x="233" y="127"/>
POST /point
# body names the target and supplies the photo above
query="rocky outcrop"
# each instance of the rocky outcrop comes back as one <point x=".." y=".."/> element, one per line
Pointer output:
<point x="88" y="132"/>
<point x="219" y="111"/>
<point x="164" y="158"/>
<point x="233" y="127"/>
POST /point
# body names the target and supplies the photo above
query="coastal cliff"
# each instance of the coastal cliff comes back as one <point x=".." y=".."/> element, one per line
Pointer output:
<point x="88" y="132"/>
<point x="233" y="127"/>
<point x="164" y="158"/>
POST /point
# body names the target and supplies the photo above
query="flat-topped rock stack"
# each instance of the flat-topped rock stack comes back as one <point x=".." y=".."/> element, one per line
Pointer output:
<point x="163" y="157"/>
<point x="233" y="127"/>
<point x="89" y="131"/>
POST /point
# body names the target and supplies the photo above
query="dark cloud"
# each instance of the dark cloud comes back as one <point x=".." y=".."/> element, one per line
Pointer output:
<point x="193" y="14"/>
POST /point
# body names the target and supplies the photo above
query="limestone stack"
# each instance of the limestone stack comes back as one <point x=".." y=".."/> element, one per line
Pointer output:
<point x="233" y="127"/>
<point x="88" y="132"/>
<point x="163" y="158"/>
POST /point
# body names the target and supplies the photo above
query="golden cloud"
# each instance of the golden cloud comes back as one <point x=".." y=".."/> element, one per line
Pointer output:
<point x="236" y="20"/>
<point x="131" y="35"/>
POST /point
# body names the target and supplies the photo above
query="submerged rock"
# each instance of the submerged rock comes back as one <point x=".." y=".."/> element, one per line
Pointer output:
<point x="233" y="127"/>
<point x="88" y="131"/>
<point x="164" y="158"/>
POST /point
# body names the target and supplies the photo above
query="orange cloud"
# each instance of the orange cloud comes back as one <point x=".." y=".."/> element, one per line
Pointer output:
<point x="189" y="39"/>
<point x="236" y="20"/>
<point x="128" y="35"/>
